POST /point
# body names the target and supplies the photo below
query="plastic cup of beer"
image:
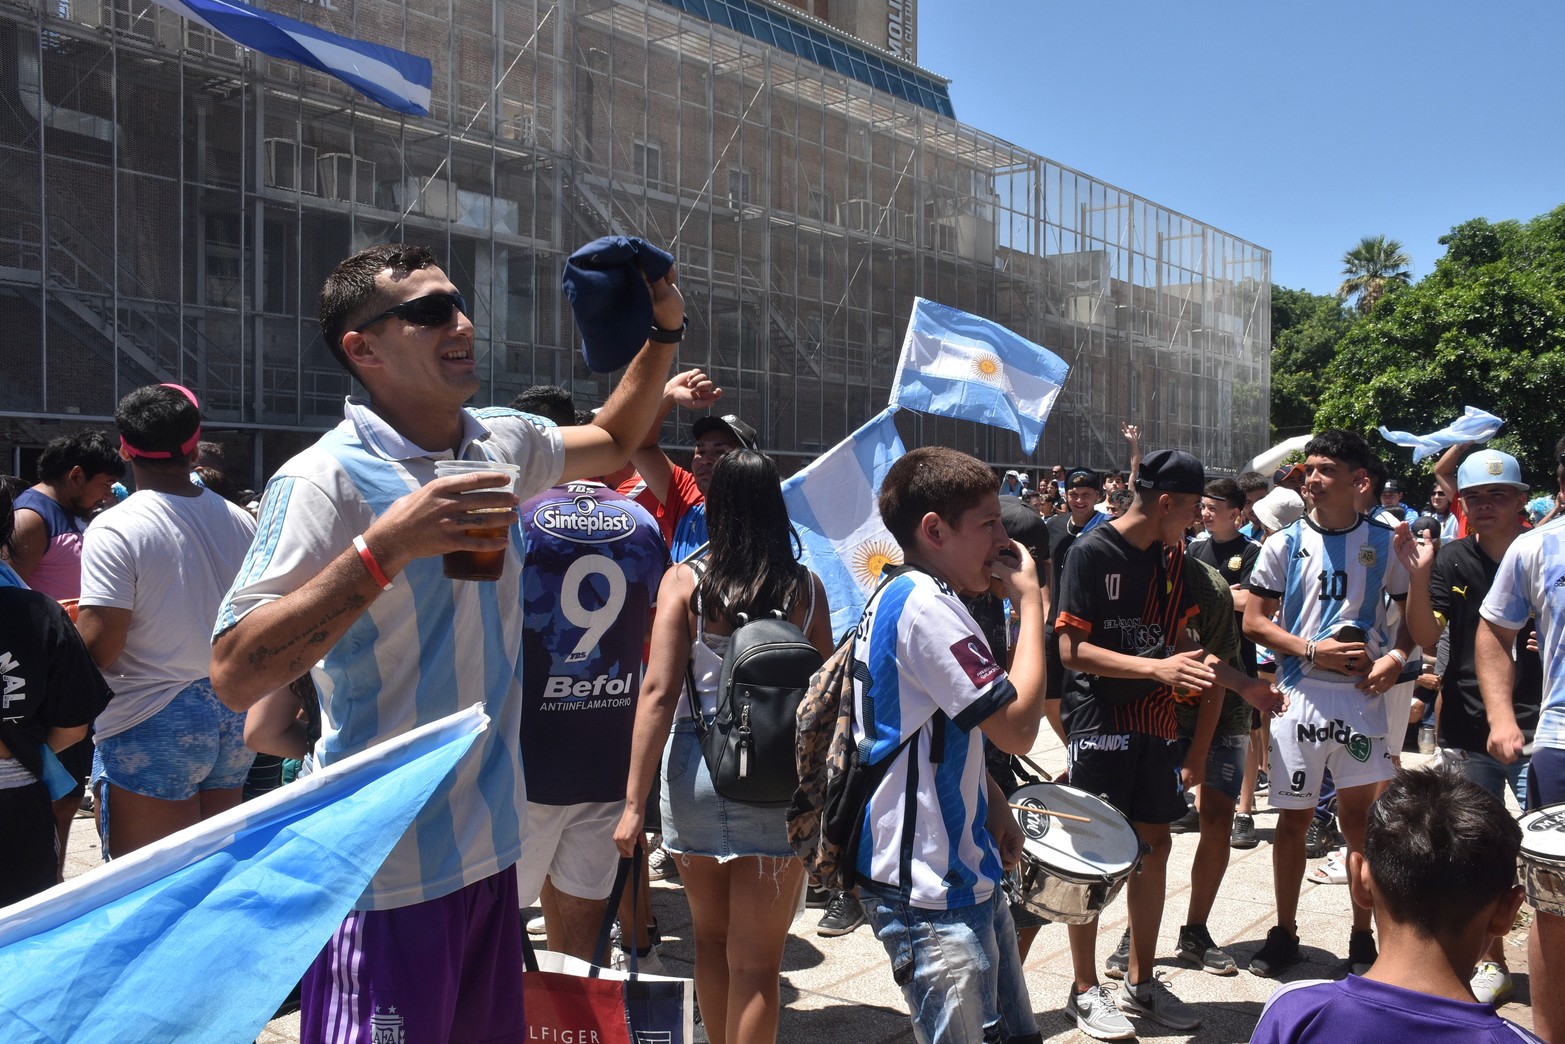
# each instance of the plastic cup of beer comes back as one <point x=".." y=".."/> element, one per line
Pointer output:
<point x="479" y="565"/>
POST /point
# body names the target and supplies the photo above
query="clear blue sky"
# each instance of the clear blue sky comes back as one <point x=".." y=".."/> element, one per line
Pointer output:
<point x="1301" y="127"/>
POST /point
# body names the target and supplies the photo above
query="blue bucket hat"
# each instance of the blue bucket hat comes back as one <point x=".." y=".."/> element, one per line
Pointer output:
<point x="611" y="300"/>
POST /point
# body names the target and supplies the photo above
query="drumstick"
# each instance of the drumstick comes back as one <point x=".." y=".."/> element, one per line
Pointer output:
<point x="1047" y="812"/>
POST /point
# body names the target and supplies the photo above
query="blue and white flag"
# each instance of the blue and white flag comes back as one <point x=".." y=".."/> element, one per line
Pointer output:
<point x="201" y="935"/>
<point x="1474" y="425"/>
<point x="957" y="365"/>
<point x="832" y="504"/>
<point x="396" y="79"/>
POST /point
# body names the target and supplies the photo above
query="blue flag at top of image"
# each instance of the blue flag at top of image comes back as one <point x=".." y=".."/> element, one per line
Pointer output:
<point x="832" y="505"/>
<point x="396" y="79"/>
<point x="957" y="365"/>
<point x="201" y="935"/>
<point x="1474" y="425"/>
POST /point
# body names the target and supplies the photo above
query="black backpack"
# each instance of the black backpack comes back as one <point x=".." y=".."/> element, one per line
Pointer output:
<point x="749" y="747"/>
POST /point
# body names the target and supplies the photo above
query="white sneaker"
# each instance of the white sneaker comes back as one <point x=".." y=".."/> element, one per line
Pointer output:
<point x="1491" y="984"/>
<point x="535" y="926"/>
<point x="1096" y="1015"/>
<point x="648" y="963"/>
<point x="1153" y="999"/>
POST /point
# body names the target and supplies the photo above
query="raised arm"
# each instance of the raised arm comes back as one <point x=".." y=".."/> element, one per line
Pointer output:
<point x="693" y="390"/>
<point x="1445" y="468"/>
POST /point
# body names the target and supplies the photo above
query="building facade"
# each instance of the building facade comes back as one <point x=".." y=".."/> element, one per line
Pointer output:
<point x="170" y="204"/>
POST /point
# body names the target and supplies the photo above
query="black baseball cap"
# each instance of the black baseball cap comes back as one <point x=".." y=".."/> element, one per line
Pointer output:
<point x="1078" y="477"/>
<point x="1394" y="486"/>
<point x="727" y="423"/>
<point x="1171" y="471"/>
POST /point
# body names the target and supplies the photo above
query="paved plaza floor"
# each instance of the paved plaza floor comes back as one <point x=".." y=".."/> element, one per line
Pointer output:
<point x="841" y="989"/>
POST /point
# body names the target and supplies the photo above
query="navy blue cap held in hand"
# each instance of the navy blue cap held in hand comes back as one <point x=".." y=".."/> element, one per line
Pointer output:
<point x="611" y="300"/>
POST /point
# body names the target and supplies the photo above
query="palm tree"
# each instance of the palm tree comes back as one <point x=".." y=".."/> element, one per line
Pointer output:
<point x="1371" y="268"/>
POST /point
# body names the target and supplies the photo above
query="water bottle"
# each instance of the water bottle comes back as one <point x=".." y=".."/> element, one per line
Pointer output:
<point x="1426" y="738"/>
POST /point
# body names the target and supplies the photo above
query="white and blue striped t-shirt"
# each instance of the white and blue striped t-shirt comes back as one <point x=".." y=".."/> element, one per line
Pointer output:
<point x="424" y="649"/>
<point x="1327" y="579"/>
<point x="921" y="659"/>
<point x="1531" y="583"/>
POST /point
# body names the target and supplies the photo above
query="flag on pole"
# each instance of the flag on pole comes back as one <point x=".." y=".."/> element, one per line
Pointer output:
<point x="957" y="365"/>
<point x="201" y="935"/>
<point x="1474" y="425"/>
<point x="396" y="79"/>
<point x="832" y="504"/>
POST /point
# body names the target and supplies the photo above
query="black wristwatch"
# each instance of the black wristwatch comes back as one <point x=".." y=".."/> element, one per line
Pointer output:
<point x="662" y="336"/>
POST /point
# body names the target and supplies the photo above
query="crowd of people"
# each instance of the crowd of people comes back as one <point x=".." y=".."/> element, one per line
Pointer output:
<point x="1192" y="640"/>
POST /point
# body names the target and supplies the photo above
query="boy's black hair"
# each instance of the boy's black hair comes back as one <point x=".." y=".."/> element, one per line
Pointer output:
<point x="1440" y="848"/>
<point x="158" y="419"/>
<point x="351" y="295"/>
<point x="1377" y="474"/>
<point x="932" y="478"/>
<point x="92" y="451"/>
<point x="549" y="401"/>
<point x="1346" y="446"/>
<point x="1251" y="481"/>
<point x="1226" y="490"/>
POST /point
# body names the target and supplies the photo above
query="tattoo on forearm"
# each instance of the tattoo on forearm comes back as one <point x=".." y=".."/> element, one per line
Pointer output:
<point x="305" y="649"/>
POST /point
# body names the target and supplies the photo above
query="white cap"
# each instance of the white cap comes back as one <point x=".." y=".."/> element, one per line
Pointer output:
<point x="1279" y="509"/>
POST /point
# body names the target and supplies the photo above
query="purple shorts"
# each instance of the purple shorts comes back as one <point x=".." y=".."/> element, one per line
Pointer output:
<point x="448" y="970"/>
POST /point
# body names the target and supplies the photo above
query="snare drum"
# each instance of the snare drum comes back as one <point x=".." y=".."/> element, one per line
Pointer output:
<point x="1071" y="871"/>
<point x="1543" y="859"/>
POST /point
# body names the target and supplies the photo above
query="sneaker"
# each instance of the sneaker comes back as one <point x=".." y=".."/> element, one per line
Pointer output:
<point x="1318" y="838"/>
<point x="1118" y="963"/>
<point x="1097" y="1015"/>
<point x="1197" y="947"/>
<point x="1262" y="781"/>
<point x="1189" y="823"/>
<point x="648" y="963"/>
<point x="1491" y="984"/>
<point x="1244" y="835"/>
<point x="816" y="898"/>
<point x="1154" y="1000"/>
<point x="661" y="866"/>
<point x="1280" y="951"/>
<point x="535" y="926"/>
<point x="87" y="802"/>
<point x="1361" y="952"/>
<point x="843" y="914"/>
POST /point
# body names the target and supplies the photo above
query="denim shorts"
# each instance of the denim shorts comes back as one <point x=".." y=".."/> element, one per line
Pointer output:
<point x="699" y="821"/>
<point x="1224" y="762"/>
<point x="959" y="970"/>
<point x="193" y="744"/>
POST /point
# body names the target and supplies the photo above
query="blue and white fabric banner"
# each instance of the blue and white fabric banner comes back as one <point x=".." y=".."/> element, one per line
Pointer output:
<point x="396" y="79"/>
<point x="201" y="935"/>
<point x="1474" y="425"/>
<point x="957" y="365"/>
<point x="832" y="504"/>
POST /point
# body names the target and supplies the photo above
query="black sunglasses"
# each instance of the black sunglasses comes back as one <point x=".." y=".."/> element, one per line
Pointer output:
<point x="429" y="310"/>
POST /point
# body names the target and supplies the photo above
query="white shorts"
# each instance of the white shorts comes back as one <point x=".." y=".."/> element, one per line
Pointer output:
<point x="1319" y="731"/>
<point x="573" y="845"/>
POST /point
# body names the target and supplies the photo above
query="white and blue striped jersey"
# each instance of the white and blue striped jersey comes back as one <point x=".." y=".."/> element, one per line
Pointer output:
<point x="922" y="667"/>
<point x="423" y="649"/>
<point x="1531" y="583"/>
<point x="1327" y="579"/>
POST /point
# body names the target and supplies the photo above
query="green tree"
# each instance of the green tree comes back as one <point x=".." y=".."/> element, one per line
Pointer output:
<point x="1306" y="328"/>
<point x="1486" y="328"/>
<point x="1372" y="268"/>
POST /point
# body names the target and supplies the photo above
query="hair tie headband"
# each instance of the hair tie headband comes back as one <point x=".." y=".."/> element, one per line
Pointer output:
<point x="185" y="448"/>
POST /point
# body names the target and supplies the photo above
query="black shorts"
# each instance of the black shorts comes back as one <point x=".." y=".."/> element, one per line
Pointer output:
<point x="1135" y="772"/>
<point x="31" y="857"/>
<point x="77" y="759"/>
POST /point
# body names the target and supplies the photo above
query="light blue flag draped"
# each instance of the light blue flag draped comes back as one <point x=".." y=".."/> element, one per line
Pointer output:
<point x="832" y="504"/>
<point x="396" y="79"/>
<point x="957" y="365"/>
<point x="200" y="936"/>
<point x="1474" y="425"/>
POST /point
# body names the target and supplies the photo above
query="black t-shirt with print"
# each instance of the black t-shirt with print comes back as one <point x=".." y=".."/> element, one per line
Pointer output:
<point x="1233" y="559"/>
<point x="47" y="677"/>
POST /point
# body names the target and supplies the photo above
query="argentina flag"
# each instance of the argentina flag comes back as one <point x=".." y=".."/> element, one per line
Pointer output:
<point x="957" y="365"/>
<point x="396" y="79"/>
<point x="832" y="504"/>
<point x="1474" y="425"/>
<point x="201" y="935"/>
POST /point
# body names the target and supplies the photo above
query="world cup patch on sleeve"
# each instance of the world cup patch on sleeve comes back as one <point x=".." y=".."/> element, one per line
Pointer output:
<point x="975" y="661"/>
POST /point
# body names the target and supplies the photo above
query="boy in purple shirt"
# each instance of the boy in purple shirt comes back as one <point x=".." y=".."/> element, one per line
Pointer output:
<point x="1439" y="872"/>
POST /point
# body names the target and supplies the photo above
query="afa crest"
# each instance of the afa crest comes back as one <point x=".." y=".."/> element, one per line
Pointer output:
<point x="1366" y="556"/>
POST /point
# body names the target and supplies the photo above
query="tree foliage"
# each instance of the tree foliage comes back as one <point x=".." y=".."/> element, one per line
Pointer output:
<point x="1372" y="268"/>
<point x="1306" y="328"/>
<point x="1486" y="328"/>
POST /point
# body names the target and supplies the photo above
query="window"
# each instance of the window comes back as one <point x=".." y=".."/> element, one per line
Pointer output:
<point x="649" y="162"/>
<point x="738" y="187"/>
<point x="818" y="205"/>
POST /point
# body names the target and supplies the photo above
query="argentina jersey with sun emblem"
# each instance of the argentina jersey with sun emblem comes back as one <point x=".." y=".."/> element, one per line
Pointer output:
<point x="1328" y="579"/>
<point x="1531" y="584"/>
<point x="594" y="560"/>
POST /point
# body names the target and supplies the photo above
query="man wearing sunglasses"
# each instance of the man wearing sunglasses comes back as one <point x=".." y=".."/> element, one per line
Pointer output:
<point x="355" y="527"/>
